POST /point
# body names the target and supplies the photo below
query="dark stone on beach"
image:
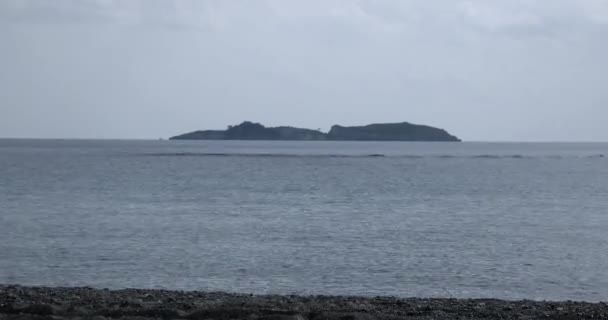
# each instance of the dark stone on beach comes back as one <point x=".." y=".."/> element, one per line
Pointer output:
<point x="37" y="309"/>
<point x="154" y="313"/>
<point x="25" y="303"/>
<point x="343" y="316"/>
<point x="283" y="317"/>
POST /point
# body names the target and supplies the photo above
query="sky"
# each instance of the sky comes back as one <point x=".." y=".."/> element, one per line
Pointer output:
<point x="485" y="70"/>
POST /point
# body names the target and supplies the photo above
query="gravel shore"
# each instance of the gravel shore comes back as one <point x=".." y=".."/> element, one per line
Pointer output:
<point x="17" y="302"/>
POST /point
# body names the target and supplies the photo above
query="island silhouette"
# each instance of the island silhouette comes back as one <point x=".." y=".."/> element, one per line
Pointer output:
<point x="248" y="130"/>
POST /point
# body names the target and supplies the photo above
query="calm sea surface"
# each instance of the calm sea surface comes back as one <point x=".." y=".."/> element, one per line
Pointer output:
<point x="350" y="218"/>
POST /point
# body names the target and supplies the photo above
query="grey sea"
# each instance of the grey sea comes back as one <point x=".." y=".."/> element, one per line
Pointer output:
<point x="491" y="220"/>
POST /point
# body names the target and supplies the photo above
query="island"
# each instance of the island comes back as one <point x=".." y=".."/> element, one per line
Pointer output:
<point x="402" y="131"/>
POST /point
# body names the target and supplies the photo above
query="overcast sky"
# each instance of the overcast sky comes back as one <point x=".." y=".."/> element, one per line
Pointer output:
<point x="481" y="69"/>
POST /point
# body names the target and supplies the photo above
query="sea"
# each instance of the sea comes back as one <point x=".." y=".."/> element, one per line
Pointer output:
<point x="406" y="219"/>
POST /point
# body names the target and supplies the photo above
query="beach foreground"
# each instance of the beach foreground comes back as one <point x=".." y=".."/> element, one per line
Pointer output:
<point x="17" y="302"/>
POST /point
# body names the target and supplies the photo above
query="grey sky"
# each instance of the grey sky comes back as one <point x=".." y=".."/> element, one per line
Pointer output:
<point x="482" y="69"/>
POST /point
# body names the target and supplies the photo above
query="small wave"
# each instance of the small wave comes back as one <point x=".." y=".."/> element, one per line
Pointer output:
<point x="265" y="155"/>
<point x="372" y="155"/>
<point x="509" y="156"/>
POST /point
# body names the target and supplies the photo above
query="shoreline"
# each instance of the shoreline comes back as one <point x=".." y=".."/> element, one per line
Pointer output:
<point x="23" y="302"/>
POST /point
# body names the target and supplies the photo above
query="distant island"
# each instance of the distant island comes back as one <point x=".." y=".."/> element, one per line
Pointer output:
<point x="247" y="130"/>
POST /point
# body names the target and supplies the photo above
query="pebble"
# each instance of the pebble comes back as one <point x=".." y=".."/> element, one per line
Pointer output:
<point x="25" y="303"/>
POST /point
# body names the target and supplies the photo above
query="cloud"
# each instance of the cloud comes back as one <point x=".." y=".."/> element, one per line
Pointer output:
<point x="534" y="16"/>
<point x="596" y="10"/>
<point x="440" y="62"/>
<point x="58" y="11"/>
<point x="381" y="15"/>
<point x="161" y="12"/>
<point x="495" y="18"/>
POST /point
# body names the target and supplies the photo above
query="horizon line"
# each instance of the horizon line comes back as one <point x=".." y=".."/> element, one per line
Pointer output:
<point x="168" y="139"/>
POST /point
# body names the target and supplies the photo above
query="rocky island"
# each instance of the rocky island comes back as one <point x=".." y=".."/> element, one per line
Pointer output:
<point x="247" y="130"/>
